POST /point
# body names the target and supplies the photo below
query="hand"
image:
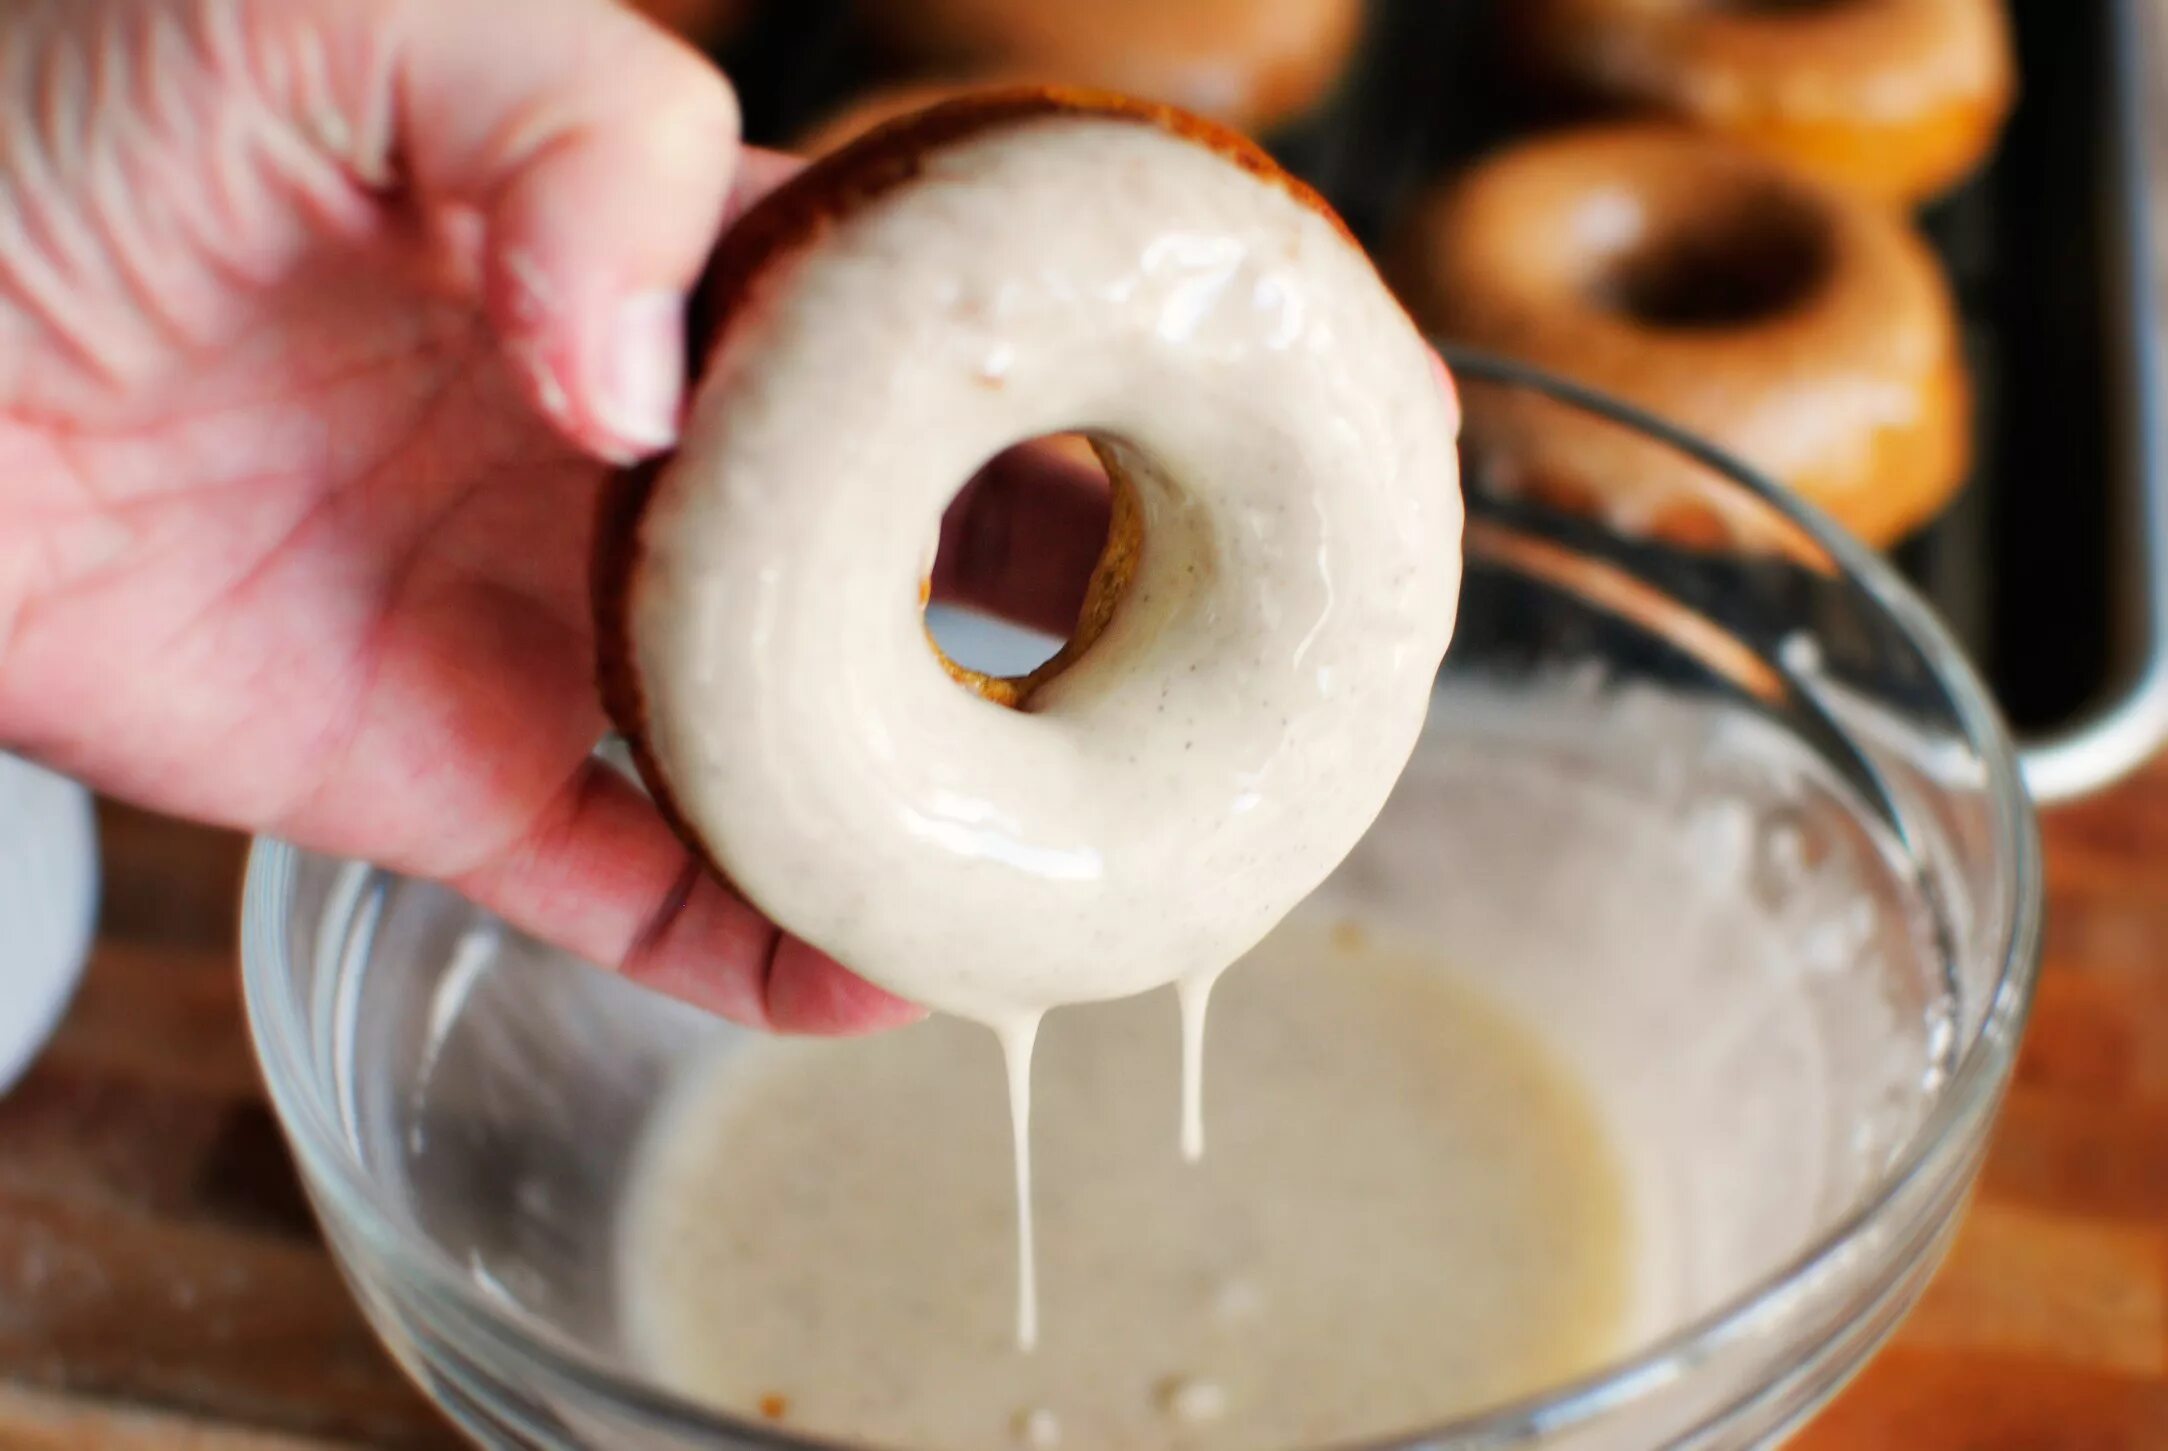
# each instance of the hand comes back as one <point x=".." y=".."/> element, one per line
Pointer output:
<point x="318" y="319"/>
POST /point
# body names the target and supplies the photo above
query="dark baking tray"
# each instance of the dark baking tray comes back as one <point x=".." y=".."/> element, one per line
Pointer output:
<point x="2052" y="568"/>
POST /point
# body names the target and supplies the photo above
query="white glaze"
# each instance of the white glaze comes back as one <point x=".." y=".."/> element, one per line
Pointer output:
<point x="1411" y="1208"/>
<point x="1737" y="989"/>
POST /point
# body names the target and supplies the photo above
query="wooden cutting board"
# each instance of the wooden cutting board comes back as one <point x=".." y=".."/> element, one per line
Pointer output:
<point x="162" y="1285"/>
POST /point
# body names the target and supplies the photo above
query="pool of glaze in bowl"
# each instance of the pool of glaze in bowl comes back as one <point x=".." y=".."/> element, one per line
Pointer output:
<point x="1636" y="756"/>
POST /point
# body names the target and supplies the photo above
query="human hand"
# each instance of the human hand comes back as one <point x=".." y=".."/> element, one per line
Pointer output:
<point x="318" y="322"/>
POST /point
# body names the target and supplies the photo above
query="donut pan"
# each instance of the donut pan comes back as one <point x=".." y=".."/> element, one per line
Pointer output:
<point x="2053" y="566"/>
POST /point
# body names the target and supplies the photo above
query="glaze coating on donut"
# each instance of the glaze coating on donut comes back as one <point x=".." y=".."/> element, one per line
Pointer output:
<point x="1807" y="332"/>
<point x="1893" y="99"/>
<point x="877" y="160"/>
<point x="1255" y="654"/>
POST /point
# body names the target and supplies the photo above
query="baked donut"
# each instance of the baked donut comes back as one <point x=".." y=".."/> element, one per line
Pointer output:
<point x="1808" y="333"/>
<point x="1254" y="660"/>
<point x="1252" y="64"/>
<point x="1893" y="99"/>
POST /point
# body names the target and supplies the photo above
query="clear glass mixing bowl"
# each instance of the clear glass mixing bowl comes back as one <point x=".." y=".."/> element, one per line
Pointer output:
<point x="465" y="1106"/>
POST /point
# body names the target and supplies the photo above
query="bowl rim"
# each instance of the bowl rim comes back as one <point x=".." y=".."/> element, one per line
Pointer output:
<point x="1970" y="1095"/>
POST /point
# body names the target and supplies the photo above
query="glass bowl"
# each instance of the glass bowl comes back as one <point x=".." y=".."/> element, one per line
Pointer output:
<point x="1801" y="747"/>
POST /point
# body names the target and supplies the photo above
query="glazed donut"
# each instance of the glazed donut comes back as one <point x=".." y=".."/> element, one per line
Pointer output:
<point x="1893" y="99"/>
<point x="1252" y="64"/>
<point x="1808" y="333"/>
<point x="1255" y="658"/>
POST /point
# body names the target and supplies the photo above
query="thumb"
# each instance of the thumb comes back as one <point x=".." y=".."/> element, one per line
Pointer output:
<point x="598" y="152"/>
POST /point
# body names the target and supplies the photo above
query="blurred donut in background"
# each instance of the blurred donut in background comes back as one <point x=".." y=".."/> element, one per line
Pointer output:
<point x="1808" y="332"/>
<point x="1252" y="64"/>
<point x="1893" y="99"/>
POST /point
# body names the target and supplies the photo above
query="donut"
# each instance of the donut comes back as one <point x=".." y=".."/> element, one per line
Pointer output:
<point x="1892" y="99"/>
<point x="1807" y="332"/>
<point x="1254" y="658"/>
<point x="1252" y="64"/>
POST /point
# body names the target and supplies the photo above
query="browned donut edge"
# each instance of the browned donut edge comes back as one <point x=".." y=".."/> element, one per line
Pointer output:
<point x="793" y="216"/>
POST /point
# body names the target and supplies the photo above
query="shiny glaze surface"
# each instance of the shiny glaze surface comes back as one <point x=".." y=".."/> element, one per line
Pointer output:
<point x="858" y="1291"/>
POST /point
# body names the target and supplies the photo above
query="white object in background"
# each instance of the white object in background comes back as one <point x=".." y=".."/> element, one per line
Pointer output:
<point x="988" y="645"/>
<point x="48" y="900"/>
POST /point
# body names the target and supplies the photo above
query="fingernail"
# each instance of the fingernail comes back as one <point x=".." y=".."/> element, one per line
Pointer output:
<point x="643" y="371"/>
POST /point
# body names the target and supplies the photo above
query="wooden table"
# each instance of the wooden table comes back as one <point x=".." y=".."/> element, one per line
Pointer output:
<point x="162" y="1286"/>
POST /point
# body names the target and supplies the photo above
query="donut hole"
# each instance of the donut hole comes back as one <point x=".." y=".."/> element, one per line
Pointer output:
<point x="1014" y="571"/>
<point x="1722" y="263"/>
